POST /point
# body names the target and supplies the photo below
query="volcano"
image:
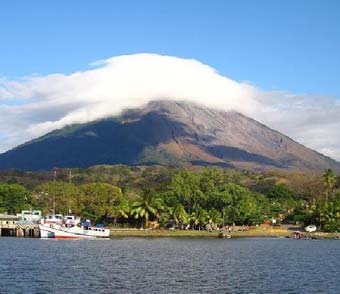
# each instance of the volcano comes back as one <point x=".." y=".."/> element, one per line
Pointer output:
<point x="168" y="133"/>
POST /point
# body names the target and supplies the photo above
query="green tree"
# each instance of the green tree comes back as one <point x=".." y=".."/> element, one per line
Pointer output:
<point x="178" y="214"/>
<point x="329" y="178"/>
<point x="147" y="205"/>
<point x="185" y="187"/>
<point x="13" y="198"/>
<point x="239" y="204"/>
<point x="210" y="179"/>
<point x="214" y="217"/>
<point x="198" y="217"/>
<point x="103" y="200"/>
<point x="121" y="209"/>
<point x="58" y="196"/>
<point x="281" y="191"/>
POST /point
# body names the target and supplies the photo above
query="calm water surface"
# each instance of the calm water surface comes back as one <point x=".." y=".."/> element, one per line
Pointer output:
<point x="169" y="265"/>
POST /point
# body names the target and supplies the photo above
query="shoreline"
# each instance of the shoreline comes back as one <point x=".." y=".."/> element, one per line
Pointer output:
<point x="253" y="233"/>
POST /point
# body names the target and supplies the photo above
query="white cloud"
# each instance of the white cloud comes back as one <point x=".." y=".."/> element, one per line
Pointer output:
<point x="36" y="105"/>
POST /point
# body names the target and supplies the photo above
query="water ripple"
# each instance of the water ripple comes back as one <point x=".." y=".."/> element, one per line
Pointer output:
<point x="169" y="265"/>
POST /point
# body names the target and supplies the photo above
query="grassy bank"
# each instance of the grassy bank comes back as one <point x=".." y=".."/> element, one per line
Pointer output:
<point x="161" y="233"/>
<point x="258" y="232"/>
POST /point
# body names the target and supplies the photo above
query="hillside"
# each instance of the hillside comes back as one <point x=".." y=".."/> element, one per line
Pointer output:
<point x="168" y="133"/>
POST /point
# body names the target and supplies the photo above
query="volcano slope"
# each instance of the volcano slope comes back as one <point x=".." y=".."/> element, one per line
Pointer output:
<point x="168" y="133"/>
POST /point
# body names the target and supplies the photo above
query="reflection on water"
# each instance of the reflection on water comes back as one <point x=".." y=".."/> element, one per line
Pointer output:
<point x="169" y="265"/>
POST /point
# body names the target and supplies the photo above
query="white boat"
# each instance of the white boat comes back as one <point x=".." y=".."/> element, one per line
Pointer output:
<point x="310" y="228"/>
<point x="75" y="232"/>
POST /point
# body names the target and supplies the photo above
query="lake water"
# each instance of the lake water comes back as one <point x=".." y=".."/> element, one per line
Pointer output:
<point x="169" y="265"/>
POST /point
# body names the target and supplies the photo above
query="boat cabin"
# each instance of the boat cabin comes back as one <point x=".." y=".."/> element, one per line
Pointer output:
<point x="71" y="220"/>
<point x="53" y="219"/>
<point x="31" y="216"/>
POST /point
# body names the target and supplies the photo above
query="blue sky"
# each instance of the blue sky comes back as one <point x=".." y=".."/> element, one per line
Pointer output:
<point x="290" y="46"/>
<point x="287" y="45"/>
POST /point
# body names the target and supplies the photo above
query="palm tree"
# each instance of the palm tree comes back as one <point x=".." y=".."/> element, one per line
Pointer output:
<point x="120" y="209"/>
<point x="148" y="205"/>
<point x="329" y="178"/>
<point x="214" y="217"/>
<point x="178" y="214"/>
<point x="198" y="217"/>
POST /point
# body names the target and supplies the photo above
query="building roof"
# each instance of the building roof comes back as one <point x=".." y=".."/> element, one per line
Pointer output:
<point x="4" y="216"/>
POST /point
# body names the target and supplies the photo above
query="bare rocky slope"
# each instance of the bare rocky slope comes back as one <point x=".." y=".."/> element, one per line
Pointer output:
<point x="168" y="133"/>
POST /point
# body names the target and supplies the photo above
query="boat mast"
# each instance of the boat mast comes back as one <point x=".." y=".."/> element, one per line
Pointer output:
<point x="54" y="179"/>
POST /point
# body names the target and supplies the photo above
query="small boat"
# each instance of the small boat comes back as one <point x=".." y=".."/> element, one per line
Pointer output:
<point x="310" y="228"/>
<point x="224" y="235"/>
<point x="298" y="235"/>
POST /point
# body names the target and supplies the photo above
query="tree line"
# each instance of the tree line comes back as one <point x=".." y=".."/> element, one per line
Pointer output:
<point x="182" y="198"/>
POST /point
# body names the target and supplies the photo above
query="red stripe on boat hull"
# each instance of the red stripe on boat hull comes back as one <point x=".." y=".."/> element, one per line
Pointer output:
<point x="68" y="237"/>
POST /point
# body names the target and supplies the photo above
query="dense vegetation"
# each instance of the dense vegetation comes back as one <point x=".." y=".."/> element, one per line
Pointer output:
<point x="196" y="198"/>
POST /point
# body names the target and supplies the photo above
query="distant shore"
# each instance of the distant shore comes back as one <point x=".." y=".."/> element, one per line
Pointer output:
<point x="258" y="232"/>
